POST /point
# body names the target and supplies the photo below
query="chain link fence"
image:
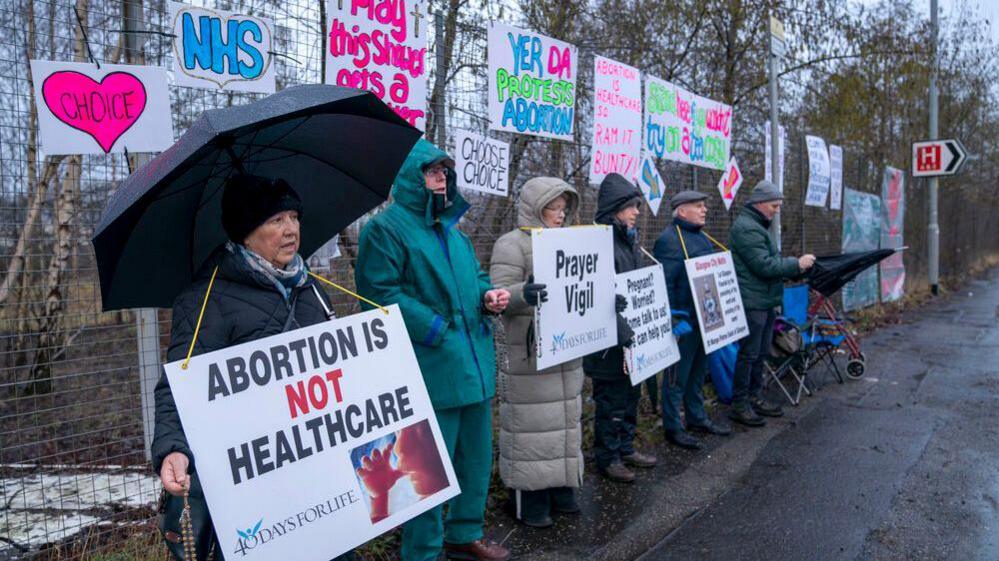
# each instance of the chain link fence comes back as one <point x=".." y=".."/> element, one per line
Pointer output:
<point x="75" y="382"/>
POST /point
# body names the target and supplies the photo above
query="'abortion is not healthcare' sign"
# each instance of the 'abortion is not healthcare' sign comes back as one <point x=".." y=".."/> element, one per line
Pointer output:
<point x="532" y="83"/>
<point x="720" y="315"/>
<point x="222" y="50"/>
<point x="685" y="127"/>
<point x="381" y="46"/>
<point x="577" y="265"/>
<point x="648" y="315"/>
<point x="311" y="442"/>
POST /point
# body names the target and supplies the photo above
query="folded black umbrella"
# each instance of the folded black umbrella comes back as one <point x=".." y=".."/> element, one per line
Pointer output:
<point x="831" y="272"/>
<point x="339" y="148"/>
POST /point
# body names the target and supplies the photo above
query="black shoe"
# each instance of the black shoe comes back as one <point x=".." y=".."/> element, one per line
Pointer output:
<point x="534" y="508"/>
<point x="683" y="440"/>
<point x="745" y="415"/>
<point x="766" y="407"/>
<point x="710" y="427"/>
<point x="542" y="521"/>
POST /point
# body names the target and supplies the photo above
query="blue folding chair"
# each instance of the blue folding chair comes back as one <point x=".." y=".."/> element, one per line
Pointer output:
<point x="821" y="338"/>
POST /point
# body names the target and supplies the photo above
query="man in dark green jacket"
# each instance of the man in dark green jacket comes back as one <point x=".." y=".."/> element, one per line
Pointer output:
<point x="413" y="255"/>
<point x="761" y="271"/>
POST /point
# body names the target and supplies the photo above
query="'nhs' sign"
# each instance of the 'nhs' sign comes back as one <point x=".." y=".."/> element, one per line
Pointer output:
<point x="221" y="50"/>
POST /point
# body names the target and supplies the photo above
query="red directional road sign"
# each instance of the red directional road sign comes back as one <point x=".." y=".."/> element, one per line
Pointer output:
<point x="931" y="158"/>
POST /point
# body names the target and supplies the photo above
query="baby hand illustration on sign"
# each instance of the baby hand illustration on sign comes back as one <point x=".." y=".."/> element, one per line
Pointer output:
<point x="416" y="459"/>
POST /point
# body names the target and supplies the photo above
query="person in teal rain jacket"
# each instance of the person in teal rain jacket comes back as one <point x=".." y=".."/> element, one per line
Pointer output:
<point x="413" y="255"/>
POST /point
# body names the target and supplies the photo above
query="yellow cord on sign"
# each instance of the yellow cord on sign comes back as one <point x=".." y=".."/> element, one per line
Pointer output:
<point x="342" y="289"/>
<point x="715" y="241"/>
<point x="683" y="244"/>
<point x="201" y="316"/>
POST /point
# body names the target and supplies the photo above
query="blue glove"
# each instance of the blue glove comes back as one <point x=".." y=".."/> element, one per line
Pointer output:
<point x="680" y="325"/>
<point x="682" y="328"/>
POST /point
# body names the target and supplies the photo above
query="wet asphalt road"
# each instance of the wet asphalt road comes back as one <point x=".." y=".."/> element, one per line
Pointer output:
<point x="903" y="465"/>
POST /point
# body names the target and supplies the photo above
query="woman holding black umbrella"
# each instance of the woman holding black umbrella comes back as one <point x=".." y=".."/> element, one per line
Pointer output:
<point x="253" y="286"/>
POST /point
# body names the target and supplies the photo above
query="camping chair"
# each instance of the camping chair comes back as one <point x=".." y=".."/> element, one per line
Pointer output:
<point x="787" y="364"/>
<point x="821" y="336"/>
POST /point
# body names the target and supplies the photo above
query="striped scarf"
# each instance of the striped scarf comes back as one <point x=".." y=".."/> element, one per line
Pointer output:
<point x="285" y="280"/>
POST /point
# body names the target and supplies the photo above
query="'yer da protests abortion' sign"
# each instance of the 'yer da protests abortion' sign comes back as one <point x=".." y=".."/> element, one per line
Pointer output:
<point x="83" y="109"/>
<point x="381" y="46"/>
<point x="577" y="265"/>
<point x="481" y="163"/>
<point x="222" y="50"/>
<point x="648" y="315"/>
<point x="311" y="442"/>
<point x="532" y="83"/>
<point x="720" y="315"/>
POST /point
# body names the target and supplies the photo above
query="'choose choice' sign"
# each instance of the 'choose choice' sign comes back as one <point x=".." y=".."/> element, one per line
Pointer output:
<point x="481" y="163"/>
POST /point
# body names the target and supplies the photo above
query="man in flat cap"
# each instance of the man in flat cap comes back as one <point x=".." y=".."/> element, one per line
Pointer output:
<point x="684" y="383"/>
<point x="761" y="272"/>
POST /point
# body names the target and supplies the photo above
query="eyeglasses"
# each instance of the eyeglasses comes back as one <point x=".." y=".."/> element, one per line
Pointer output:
<point x="435" y="170"/>
<point x="563" y="211"/>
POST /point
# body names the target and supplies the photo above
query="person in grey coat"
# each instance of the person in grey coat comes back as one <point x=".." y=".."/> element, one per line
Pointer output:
<point x="540" y="458"/>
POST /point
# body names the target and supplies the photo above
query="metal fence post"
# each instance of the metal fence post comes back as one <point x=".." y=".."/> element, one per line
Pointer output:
<point x="147" y="325"/>
<point x="439" y="129"/>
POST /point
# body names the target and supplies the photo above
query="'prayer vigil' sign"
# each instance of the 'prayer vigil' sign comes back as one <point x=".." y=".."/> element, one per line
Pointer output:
<point x="577" y="265"/>
<point x="532" y="83"/>
<point x="311" y="442"/>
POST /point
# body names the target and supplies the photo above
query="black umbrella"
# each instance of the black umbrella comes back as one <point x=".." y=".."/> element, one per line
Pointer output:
<point x="831" y="272"/>
<point x="339" y="148"/>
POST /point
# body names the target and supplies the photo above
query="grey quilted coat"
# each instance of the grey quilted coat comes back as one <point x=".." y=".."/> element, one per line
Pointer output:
<point x="540" y="434"/>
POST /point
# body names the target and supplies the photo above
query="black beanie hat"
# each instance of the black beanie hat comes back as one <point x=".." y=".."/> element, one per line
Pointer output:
<point x="249" y="200"/>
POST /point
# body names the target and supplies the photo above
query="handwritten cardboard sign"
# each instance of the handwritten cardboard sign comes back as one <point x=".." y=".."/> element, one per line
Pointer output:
<point x="532" y="83"/>
<point x="617" y="119"/>
<point x="685" y="127"/>
<point x="86" y="110"/>
<point x="381" y="46"/>
<point x="222" y="50"/>
<point x="482" y="164"/>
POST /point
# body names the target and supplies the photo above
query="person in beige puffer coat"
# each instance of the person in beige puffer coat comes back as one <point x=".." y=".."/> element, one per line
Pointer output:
<point x="540" y="434"/>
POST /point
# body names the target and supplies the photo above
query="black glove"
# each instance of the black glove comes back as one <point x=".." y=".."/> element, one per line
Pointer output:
<point x="620" y="303"/>
<point x="534" y="292"/>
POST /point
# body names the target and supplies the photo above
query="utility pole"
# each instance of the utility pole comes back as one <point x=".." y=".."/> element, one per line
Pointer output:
<point x="934" y="228"/>
<point x="776" y="51"/>
<point x="147" y="325"/>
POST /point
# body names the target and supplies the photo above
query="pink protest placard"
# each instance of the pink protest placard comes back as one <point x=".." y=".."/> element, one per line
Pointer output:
<point x="617" y="119"/>
<point x="381" y="46"/>
<point x="86" y="110"/>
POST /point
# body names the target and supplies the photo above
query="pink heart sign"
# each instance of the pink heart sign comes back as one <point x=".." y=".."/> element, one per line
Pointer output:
<point x="104" y="110"/>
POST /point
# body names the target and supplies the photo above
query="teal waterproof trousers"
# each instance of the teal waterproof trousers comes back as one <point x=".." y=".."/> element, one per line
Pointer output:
<point x="468" y="435"/>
